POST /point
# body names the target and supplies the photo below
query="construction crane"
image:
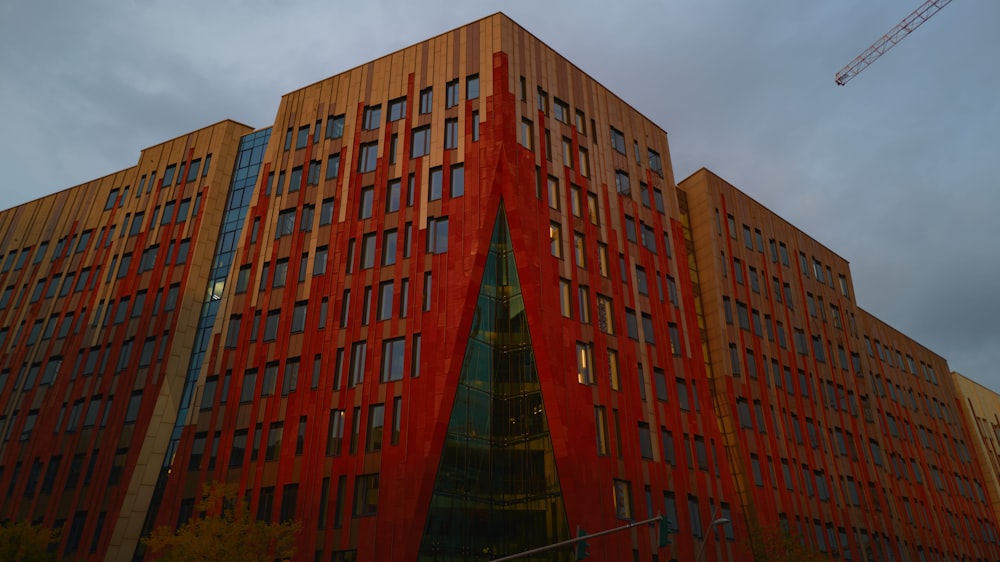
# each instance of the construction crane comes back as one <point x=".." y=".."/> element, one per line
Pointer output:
<point x="889" y="40"/>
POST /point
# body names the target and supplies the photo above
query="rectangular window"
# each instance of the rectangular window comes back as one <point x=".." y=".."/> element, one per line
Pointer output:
<point x="437" y="235"/>
<point x="585" y="363"/>
<point x="622" y="184"/>
<point x="527" y="138"/>
<point x="334" y="126"/>
<point x="368" y="157"/>
<point x="393" y="354"/>
<point x="601" y="423"/>
<point x="426" y="100"/>
<point x="623" y="499"/>
<point x="451" y="94"/>
<point x="472" y="87"/>
<point x="397" y="109"/>
<point x="385" y="305"/>
<point x="302" y="138"/>
<point x="451" y="133"/>
<point x="359" y="350"/>
<point x="457" y="185"/>
<point x="617" y="140"/>
<point x="366" y="494"/>
<point x="420" y="144"/>
<point x="376" y="425"/>
<point x="273" y="449"/>
<point x="372" y="117"/>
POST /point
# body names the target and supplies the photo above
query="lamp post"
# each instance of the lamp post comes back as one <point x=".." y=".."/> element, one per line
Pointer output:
<point x="701" y="549"/>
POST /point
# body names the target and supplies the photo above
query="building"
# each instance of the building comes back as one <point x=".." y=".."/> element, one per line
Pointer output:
<point x="451" y="305"/>
<point x="837" y="425"/>
<point x="981" y="408"/>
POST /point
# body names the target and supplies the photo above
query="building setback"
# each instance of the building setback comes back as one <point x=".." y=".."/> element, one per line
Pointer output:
<point x="451" y="305"/>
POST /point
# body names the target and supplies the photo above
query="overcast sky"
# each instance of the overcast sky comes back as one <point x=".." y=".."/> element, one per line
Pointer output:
<point x="897" y="171"/>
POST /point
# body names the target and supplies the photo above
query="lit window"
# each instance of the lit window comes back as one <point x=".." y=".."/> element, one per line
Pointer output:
<point x="584" y="363"/>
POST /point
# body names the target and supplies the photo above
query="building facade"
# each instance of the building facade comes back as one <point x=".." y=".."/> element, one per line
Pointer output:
<point x="838" y="426"/>
<point x="981" y="408"/>
<point x="452" y="305"/>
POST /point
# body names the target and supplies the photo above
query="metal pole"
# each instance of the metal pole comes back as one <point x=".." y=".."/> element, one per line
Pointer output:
<point x="701" y="550"/>
<point x="560" y="544"/>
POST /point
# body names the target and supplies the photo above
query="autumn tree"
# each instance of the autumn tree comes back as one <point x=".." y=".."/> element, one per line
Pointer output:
<point x="776" y="544"/>
<point x="22" y="542"/>
<point x="226" y="533"/>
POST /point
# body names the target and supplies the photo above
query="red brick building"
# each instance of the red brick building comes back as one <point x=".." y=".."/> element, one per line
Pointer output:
<point x="451" y="305"/>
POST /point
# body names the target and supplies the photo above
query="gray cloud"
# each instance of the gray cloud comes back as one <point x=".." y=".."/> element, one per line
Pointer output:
<point x="894" y="171"/>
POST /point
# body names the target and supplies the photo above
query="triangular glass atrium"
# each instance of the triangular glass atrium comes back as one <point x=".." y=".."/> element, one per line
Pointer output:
<point x="497" y="491"/>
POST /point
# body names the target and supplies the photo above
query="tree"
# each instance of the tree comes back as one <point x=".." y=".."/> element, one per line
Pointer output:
<point x="22" y="542"/>
<point x="223" y="530"/>
<point x="777" y="544"/>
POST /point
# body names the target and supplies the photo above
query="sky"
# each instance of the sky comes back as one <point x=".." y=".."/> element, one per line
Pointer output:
<point x="896" y="171"/>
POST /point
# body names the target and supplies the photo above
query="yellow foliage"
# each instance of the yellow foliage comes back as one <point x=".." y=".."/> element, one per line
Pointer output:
<point x="226" y="533"/>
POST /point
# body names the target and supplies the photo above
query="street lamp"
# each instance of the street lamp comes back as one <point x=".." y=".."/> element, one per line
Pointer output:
<point x="704" y="541"/>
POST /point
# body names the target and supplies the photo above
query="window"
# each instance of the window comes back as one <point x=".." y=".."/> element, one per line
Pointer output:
<point x="368" y="156"/>
<point x="359" y="350"/>
<point x="389" y="247"/>
<point x="579" y="249"/>
<point x="385" y="294"/>
<point x="472" y="87"/>
<point x="334" y="126"/>
<point x="560" y="110"/>
<point x="376" y="426"/>
<point x="366" y="494"/>
<point x="397" y="109"/>
<point x="451" y="94"/>
<point x="426" y="100"/>
<point x="555" y="239"/>
<point x="421" y="142"/>
<point x="564" y="298"/>
<point x="475" y="126"/>
<point x="605" y="314"/>
<point x="366" y="203"/>
<point x="601" y="422"/>
<point x="299" y="317"/>
<point x="437" y="235"/>
<point x="554" y="193"/>
<point x="372" y="117"/>
<point x="148" y="259"/>
<point x="451" y="133"/>
<point x="632" y="327"/>
<point x="273" y="449"/>
<point x="457" y="184"/>
<point x="368" y="251"/>
<point x="622" y="182"/>
<point x="617" y="140"/>
<point x="585" y="363"/>
<point x="583" y="296"/>
<point x="655" y="164"/>
<point x="623" y="499"/>
<point x="271" y="325"/>
<point x="436" y="185"/>
<point x="645" y="441"/>
<point x="527" y="135"/>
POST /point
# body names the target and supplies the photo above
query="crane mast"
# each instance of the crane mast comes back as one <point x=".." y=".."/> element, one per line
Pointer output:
<point x="889" y="40"/>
